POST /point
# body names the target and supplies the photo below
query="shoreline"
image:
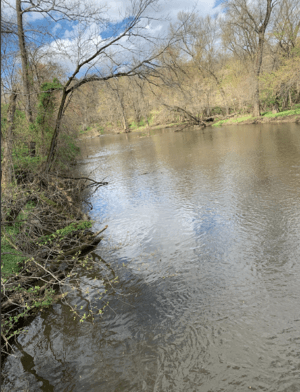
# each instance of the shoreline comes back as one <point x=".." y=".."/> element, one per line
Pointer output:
<point x="278" y="118"/>
<point x="47" y="239"/>
<point x="268" y="118"/>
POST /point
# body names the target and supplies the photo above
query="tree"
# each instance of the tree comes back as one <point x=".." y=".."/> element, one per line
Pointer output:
<point x="248" y="23"/>
<point x="115" y="88"/>
<point x="7" y="163"/>
<point x="111" y="58"/>
<point x="286" y="26"/>
<point x="200" y="38"/>
<point x="25" y="63"/>
<point x="55" y="10"/>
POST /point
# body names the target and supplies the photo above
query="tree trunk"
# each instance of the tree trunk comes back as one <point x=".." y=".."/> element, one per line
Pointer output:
<point x="261" y="39"/>
<point x="25" y="63"/>
<point x="53" y="145"/>
<point x="7" y="163"/>
<point x="256" y="103"/>
<point x="290" y="99"/>
<point x="85" y="116"/>
<point x="124" y="121"/>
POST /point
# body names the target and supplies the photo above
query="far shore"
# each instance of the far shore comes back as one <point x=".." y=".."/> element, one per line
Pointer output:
<point x="289" y="116"/>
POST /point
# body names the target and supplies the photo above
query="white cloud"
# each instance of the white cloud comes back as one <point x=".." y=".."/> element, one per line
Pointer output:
<point x="56" y="27"/>
<point x="74" y="44"/>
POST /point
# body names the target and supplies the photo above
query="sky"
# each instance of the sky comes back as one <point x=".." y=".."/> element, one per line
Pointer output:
<point x="67" y="37"/>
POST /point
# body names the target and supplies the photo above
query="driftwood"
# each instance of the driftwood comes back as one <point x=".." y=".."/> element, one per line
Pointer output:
<point x="92" y="241"/>
<point x="192" y="118"/>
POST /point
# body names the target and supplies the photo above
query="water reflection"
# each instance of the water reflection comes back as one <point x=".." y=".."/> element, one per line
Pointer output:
<point x="204" y="235"/>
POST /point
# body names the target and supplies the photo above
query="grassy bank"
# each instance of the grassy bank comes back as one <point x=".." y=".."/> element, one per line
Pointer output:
<point x="267" y="117"/>
<point x="285" y="116"/>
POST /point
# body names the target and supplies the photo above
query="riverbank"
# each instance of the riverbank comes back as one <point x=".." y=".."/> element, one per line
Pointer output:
<point x="46" y="240"/>
<point x="94" y="132"/>
<point x="288" y="116"/>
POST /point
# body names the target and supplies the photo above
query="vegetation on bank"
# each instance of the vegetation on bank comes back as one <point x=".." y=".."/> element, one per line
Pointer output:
<point x="46" y="244"/>
<point x="216" y="121"/>
<point x="293" y="114"/>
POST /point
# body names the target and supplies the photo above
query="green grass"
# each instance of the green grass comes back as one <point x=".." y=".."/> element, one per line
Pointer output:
<point x="140" y="124"/>
<point x="233" y="120"/>
<point x="282" y="114"/>
<point x="249" y="117"/>
<point x="83" y="131"/>
<point x="219" y="123"/>
<point x="241" y="119"/>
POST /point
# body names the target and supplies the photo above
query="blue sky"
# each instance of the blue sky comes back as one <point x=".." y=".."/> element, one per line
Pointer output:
<point x="63" y="41"/>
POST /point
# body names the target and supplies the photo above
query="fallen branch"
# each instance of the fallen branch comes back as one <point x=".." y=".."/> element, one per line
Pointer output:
<point x="186" y="113"/>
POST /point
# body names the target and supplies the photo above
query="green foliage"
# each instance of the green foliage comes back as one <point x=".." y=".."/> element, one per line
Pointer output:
<point x="282" y="114"/>
<point x="68" y="151"/>
<point x="216" y="110"/>
<point x="150" y="119"/>
<point x="20" y="121"/>
<point x="10" y="257"/>
<point x="22" y="159"/>
<point x="141" y="123"/>
<point x="133" y="125"/>
<point x="83" y="131"/>
<point x="23" y="132"/>
<point x="8" y="325"/>
<point x="46" y="105"/>
<point x="59" y="234"/>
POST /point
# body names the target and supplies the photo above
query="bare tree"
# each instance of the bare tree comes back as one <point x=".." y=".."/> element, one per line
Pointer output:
<point x="55" y="10"/>
<point x="286" y="26"/>
<point x="95" y="58"/>
<point x="200" y="41"/>
<point x="114" y="87"/>
<point x="25" y="63"/>
<point x="250" y="21"/>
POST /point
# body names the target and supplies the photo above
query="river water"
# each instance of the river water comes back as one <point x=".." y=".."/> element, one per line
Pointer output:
<point x="204" y="235"/>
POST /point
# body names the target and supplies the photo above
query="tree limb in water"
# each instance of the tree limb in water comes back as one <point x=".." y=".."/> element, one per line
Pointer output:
<point x="187" y="114"/>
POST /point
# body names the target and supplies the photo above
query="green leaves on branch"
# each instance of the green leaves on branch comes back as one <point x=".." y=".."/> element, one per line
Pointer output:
<point x="46" y="106"/>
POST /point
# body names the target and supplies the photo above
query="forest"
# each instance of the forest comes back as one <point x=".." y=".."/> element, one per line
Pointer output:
<point x="69" y="67"/>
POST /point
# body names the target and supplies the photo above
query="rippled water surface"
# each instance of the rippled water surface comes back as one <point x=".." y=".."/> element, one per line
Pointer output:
<point x="204" y="234"/>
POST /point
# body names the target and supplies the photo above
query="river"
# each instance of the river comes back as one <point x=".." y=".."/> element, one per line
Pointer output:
<point x="204" y="236"/>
